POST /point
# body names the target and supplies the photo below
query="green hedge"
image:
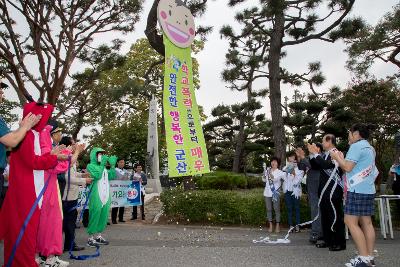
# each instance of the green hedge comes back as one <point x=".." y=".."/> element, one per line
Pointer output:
<point x="221" y="180"/>
<point x="255" y="182"/>
<point x="239" y="207"/>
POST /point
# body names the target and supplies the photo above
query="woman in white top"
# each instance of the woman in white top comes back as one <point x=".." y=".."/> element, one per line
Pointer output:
<point x="71" y="192"/>
<point x="292" y="189"/>
<point x="272" y="178"/>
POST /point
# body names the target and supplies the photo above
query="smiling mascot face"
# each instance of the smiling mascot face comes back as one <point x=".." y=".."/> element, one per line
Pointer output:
<point x="177" y="22"/>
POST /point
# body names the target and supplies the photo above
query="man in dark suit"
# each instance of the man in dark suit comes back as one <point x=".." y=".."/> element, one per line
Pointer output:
<point x="333" y="231"/>
<point x="312" y="191"/>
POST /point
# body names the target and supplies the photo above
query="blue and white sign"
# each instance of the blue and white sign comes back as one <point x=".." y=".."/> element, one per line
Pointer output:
<point x="123" y="194"/>
<point x="134" y="194"/>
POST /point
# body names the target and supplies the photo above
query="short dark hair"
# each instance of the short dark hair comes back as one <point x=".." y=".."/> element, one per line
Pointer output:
<point x="331" y="138"/>
<point x="119" y="159"/>
<point x="362" y="129"/>
<point x="291" y="154"/>
<point x="66" y="140"/>
<point x="278" y="160"/>
<point x="137" y="165"/>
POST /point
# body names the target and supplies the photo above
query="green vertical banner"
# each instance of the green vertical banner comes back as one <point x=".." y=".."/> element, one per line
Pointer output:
<point x="187" y="152"/>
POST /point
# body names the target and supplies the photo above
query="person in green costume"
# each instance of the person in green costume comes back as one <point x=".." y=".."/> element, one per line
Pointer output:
<point x="100" y="200"/>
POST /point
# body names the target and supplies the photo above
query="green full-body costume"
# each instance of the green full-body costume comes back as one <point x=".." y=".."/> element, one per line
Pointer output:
<point x="100" y="200"/>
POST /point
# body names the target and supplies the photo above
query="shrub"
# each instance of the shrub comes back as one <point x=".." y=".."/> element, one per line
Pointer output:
<point x="239" y="207"/>
<point x="221" y="180"/>
<point x="225" y="207"/>
<point x="255" y="182"/>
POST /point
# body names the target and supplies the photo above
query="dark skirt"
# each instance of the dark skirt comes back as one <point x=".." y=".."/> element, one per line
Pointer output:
<point x="359" y="204"/>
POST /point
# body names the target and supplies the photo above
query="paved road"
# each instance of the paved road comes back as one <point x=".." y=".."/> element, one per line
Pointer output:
<point x="177" y="245"/>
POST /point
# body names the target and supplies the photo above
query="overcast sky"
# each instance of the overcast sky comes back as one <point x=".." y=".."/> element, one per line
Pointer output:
<point x="213" y="90"/>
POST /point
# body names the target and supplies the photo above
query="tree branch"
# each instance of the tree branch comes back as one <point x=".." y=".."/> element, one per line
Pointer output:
<point x="322" y="33"/>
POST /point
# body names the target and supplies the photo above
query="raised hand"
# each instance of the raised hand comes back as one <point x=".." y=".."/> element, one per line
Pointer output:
<point x="336" y="155"/>
<point x="112" y="160"/>
<point x="104" y="160"/>
<point x="300" y="153"/>
<point x="29" y="121"/>
<point x="57" y="151"/>
<point x="312" y="148"/>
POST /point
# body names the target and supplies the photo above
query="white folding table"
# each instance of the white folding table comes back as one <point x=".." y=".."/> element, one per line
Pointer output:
<point x="387" y="222"/>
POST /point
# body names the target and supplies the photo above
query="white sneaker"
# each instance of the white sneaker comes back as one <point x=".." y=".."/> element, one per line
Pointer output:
<point x="358" y="262"/>
<point x="40" y="261"/>
<point x="92" y="243"/>
<point x="55" y="261"/>
<point x="101" y="240"/>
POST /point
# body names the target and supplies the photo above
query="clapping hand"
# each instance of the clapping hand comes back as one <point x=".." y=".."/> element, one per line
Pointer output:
<point x="29" y="121"/>
<point x="57" y="152"/>
<point x="312" y="148"/>
<point x="336" y="155"/>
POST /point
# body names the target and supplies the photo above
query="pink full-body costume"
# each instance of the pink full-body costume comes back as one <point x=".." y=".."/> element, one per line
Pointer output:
<point x="49" y="238"/>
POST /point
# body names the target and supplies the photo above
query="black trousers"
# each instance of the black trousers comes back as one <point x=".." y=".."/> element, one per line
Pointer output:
<point x="85" y="218"/>
<point x="337" y="236"/>
<point x="396" y="191"/>
<point x="61" y="185"/>
<point x="69" y="222"/>
<point x="134" y="210"/>
<point x="114" y="213"/>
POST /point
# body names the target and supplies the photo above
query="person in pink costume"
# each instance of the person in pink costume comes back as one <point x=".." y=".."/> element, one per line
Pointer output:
<point x="49" y="239"/>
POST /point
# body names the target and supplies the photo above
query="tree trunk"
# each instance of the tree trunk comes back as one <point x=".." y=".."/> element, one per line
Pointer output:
<point x="239" y="146"/>
<point x="155" y="40"/>
<point x="239" y="157"/>
<point x="274" y="86"/>
<point x="79" y="124"/>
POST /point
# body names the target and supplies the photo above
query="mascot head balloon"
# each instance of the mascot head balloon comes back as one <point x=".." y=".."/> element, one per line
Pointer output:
<point x="177" y="22"/>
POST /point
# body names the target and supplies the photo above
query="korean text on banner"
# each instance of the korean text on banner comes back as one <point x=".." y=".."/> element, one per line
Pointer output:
<point x="187" y="153"/>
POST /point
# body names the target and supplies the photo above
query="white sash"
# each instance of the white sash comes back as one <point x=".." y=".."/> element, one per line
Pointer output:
<point x="104" y="188"/>
<point x="360" y="176"/>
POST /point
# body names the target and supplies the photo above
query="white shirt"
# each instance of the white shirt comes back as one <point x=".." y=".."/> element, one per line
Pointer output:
<point x="291" y="180"/>
<point x="278" y="175"/>
<point x="122" y="174"/>
<point x="136" y="177"/>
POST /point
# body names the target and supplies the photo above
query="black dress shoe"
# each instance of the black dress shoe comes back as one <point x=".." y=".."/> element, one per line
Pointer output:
<point x="75" y="248"/>
<point x="108" y="223"/>
<point x="121" y="221"/>
<point x="133" y="218"/>
<point x="337" y="248"/>
<point x="114" y="222"/>
<point x="321" y="245"/>
<point x="313" y="239"/>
